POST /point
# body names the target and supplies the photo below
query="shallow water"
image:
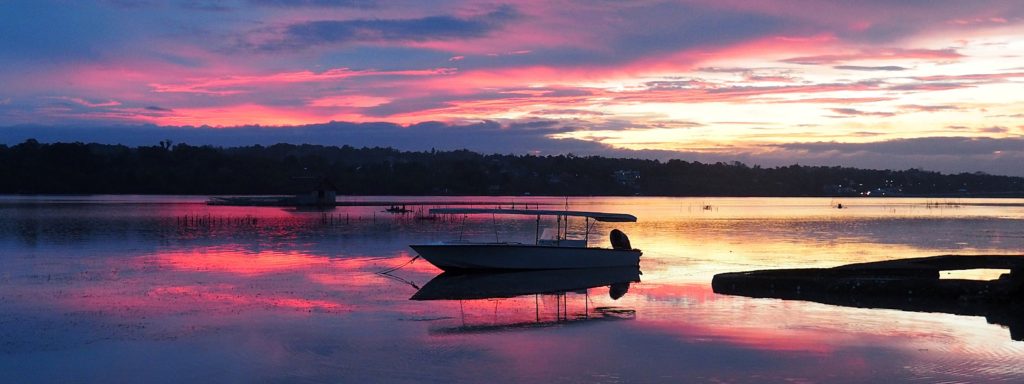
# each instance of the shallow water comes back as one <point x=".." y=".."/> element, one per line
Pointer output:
<point x="168" y="289"/>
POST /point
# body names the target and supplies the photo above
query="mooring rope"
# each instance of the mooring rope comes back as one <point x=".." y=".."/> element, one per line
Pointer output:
<point x="399" y="279"/>
<point x="389" y="270"/>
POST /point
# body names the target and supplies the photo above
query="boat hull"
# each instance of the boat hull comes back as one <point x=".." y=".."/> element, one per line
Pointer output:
<point x="451" y="257"/>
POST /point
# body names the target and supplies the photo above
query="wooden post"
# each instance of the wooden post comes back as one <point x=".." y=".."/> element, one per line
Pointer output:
<point x="536" y="240"/>
<point x="586" y="227"/>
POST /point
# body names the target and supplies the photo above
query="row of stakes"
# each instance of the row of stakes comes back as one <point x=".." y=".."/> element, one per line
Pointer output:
<point x="208" y="221"/>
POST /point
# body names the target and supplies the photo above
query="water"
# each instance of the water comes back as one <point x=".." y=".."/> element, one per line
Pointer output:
<point x="167" y="289"/>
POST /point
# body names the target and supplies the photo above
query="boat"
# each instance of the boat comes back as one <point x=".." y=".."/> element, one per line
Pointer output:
<point x="397" y="209"/>
<point x="553" y="250"/>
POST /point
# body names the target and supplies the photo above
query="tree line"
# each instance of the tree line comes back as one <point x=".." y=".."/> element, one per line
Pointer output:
<point x="79" y="168"/>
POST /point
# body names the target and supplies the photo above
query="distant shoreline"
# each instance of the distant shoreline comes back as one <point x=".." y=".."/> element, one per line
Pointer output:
<point x="1008" y="195"/>
<point x="285" y="169"/>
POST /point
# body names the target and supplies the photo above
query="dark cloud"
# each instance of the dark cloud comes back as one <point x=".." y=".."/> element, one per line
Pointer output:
<point x="673" y="26"/>
<point x="724" y="69"/>
<point x="627" y="31"/>
<point x="429" y="102"/>
<point x="159" y="109"/>
<point x="857" y="112"/>
<point x="943" y="154"/>
<point x="485" y="136"/>
<point x="204" y="5"/>
<point x="545" y="126"/>
<point x="673" y="84"/>
<point x="316" y="3"/>
<point x="869" y="68"/>
<point x="754" y="73"/>
<point x="128" y="4"/>
<point x="567" y="111"/>
<point x="407" y="105"/>
<point x="994" y="129"/>
<point x="878" y="54"/>
<point x="745" y="90"/>
<point x="933" y="146"/>
<point x="929" y="108"/>
<point x="773" y="78"/>
<point x="927" y="86"/>
<point x="328" y="32"/>
<point x="742" y="122"/>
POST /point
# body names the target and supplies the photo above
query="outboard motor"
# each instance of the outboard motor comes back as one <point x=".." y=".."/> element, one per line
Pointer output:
<point x="620" y="240"/>
<point x="617" y="290"/>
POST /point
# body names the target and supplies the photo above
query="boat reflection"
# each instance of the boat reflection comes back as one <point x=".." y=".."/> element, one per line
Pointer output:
<point x="477" y="290"/>
<point x="492" y="285"/>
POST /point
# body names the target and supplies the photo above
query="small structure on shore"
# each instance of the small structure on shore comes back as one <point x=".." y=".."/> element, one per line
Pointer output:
<point x="316" y="191"/>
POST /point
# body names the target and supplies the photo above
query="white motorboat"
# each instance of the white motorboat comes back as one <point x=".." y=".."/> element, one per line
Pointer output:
<point x="547" y="252"/>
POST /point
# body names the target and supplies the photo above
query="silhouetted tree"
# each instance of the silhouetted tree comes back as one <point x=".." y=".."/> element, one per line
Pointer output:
<point x="32" y="167"/>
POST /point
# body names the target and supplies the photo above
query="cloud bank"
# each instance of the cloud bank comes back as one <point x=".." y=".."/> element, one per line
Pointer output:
<point x="767" y="82"/>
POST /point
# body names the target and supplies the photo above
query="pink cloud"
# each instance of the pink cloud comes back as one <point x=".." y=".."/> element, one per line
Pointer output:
<point x="973" y="76"/>
<point x="228" y="85"/>
<point x="250" y="113"/>
<point x="675" y="62"/>
<point x="981" y="21"/>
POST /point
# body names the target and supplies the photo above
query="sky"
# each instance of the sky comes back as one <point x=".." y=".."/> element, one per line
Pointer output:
<point x="927" y="84"/>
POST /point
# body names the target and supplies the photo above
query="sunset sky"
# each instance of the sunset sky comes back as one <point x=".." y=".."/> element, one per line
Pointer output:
<point x="931" y="84"/>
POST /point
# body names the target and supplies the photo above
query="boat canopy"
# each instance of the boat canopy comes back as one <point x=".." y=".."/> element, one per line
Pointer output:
<point x="599" y="216"/>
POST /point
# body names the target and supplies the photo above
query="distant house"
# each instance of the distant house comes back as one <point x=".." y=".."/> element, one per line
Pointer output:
<point x="627" y="177"/>
<point x="316" y="191"/>
<point x="840" y="190"/>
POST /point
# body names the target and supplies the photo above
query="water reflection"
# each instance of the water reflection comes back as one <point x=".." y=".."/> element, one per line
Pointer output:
<point x="478" y="291"/>
<point x="491" y="285"/>
<point x="1005" y="311"/>
<point x="102" y="286"/>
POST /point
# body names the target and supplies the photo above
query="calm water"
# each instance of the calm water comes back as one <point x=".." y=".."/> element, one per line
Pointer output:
<point x="167" y="289"/>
